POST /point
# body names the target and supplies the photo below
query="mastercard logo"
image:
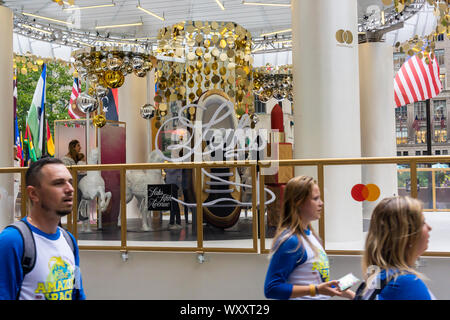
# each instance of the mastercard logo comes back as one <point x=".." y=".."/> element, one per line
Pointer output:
<point x="369" y="192"/>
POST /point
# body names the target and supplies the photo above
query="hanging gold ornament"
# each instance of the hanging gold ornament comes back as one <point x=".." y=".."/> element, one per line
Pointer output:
<point x="99" y="121"/>
<point x="114" y="79"/>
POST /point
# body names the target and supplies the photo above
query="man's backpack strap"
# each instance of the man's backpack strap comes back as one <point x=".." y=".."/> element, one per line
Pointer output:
<point x="29" y="245"/>
<point x="68" y="239"/>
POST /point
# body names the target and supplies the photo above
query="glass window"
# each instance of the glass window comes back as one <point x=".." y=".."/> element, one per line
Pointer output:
<point x="260" y="107"/>
<point x="405" y="153"/>
<point x="417" y="152"/>
<point x="440" y="121"/>
<point x="420" y="110"/>
<point x="445" y="152"/>
<point x="399" y="59"/>
<point x="440" y="57"/>
<point x="421" y="136"/>
<point x="437" y="152"/>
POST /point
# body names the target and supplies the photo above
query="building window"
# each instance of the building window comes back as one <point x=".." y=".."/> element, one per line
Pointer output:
<point x="440" y="37"/>
<point x="437" y="152"/>
<point x="260" y="107"/>
<point x="443" y="81"/>
<point x="399" y="59"/>
<point x="440" y="121"/>
<point x="440" y="56"/>
<point x="399" y="153"/>
<point x="402" y="134"/>
<point x="420" y="110"/>
<point x="445" y="152"/>
<point x="417" y="152"/>
<point x="405" y="153"/>
<point x="421" y="136"/>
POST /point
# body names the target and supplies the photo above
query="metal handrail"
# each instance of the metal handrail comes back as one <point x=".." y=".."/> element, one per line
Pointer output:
<point x="258" y="219"/>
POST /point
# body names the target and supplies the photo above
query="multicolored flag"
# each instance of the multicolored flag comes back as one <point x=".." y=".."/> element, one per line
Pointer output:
<point x="17" y="134"/>
<point x="50" y="144"/>
<point x="29" y="143"/>
<point x="37" y="105"/>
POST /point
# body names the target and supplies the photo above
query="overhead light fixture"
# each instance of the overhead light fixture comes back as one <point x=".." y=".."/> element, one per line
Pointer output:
<point x="45" y="18"/>
<point x="117" y="43"/>
<point x="276" y="32"/>
<point x="283" y="41"/>
<point x="35" y="29"/>
<point x="144" y="38"/>
<point x="120" y="25"/>
<point x="220" y="4"/>
<point x="150" y="13"/>
<point x="83" y="43"/>
<point x="266" y="4"/>
<point x="90" y="7"/>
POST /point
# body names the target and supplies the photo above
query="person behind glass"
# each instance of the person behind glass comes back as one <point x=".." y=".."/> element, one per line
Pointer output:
<point x="173" y="177"/>
<point x="299" y="266"/>
<point x="397" y="236"/>
<point x="71" y="158"/>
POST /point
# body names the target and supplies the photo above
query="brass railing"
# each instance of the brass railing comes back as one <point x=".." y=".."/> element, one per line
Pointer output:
<point x="257" y="217"/>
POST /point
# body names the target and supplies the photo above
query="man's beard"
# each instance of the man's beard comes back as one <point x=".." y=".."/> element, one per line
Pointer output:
<point x="63" y="213"/>
<point x="60" y="213"/>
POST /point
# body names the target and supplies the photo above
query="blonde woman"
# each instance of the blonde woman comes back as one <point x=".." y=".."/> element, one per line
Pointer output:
<point x="299" y="267"/>
<point x="397" y="236"/>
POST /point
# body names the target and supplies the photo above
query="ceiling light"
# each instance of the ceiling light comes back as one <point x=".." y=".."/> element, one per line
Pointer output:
<point x="283" y="41"/>
<point x="45" y="18"/>
<point x="117" y="43"/>
<point x="120" y="25"/>
<point x="36" y="29"/>
<point x="83" y="43"/>
<point x="266" y="4"/>
<point x="220" y="4"/>
<point x="144" y="38"/>
<point x="89" y="7"/>
<point x="276" y="32"/>
<point x="150" y="13"/>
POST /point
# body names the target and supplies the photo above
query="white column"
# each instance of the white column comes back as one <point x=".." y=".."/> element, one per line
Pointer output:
<point x="326" y="106"/>
<point x="7" y="127"/>
<point x="376" y="74"/>
<point x="132" y="96"/>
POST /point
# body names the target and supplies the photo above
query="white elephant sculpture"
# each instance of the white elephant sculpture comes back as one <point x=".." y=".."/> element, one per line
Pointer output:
<point x="92" y="186"/>
<point x="137" y="181"/>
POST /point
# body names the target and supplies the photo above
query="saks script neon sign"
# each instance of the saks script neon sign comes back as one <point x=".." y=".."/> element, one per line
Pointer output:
<point x="222" y="145"/>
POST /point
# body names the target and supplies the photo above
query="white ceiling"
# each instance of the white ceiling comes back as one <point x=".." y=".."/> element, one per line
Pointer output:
<point x="256" y="19"/>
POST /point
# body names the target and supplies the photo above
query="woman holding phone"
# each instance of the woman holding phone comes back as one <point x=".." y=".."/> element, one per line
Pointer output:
<point x="299" y="266"/>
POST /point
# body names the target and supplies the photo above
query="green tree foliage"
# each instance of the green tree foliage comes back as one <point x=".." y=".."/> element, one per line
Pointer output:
<point x="59" y="88"/>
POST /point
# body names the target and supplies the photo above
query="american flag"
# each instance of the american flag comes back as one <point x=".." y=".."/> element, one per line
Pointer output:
<point x="417" y="81"/>
<point x="76" y="89"/>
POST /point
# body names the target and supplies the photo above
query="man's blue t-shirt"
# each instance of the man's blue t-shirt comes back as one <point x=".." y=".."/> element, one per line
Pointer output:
<point x="11" y="273"/>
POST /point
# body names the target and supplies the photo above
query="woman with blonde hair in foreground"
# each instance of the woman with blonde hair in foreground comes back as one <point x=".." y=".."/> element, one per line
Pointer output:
<point x="397" y="236"/>
<point x="299" y="267"/>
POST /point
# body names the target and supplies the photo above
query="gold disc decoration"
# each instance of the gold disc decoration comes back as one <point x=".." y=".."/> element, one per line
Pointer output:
<point x="270" y="82"/>
<point x="214" y="54"/>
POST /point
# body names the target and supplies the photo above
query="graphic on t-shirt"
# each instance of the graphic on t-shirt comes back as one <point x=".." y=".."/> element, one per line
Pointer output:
<point x="322" y="265"/>
<point x="59" y="283"/>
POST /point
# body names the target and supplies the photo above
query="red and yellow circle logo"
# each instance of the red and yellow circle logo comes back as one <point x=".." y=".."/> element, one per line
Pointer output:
<point x="369" y="192"/>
